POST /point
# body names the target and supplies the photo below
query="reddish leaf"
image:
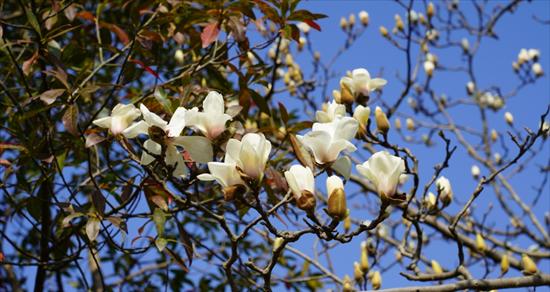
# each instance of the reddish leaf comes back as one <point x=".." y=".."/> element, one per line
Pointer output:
<point x="85" y="15"/>
<point x="313" y="24"/>
<point x="119" y="32"/>
<point x="210" y="34"/>
<point x="27" y="65"/>
<point x="145" y="67"/>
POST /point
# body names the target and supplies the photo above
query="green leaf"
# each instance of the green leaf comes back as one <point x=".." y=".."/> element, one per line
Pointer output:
<point x="159" y="217"/>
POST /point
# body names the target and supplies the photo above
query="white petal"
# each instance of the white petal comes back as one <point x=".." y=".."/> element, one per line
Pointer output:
<point x="316" y="142"/>
<point x="376" y="84"/>
<point x="322" y="117"/>
<point x="136" y="129"/>
<point x="232" y="151"/>
<point x="199" y="148"/>
<point x="151" y="118"/>
<point x="225" y="173"/>
<point x="103" y="122"/>
<point x="213" y="103"/>
<point x="206" y="177"/>
<point x="346" y="128"/>
<point x="151" y="147"/>
<point x="250" y="160"/>
<point x="334" y="183"/>
<point x="177" y="122"/>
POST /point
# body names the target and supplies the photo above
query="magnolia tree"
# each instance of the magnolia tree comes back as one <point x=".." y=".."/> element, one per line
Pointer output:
<point x="207" y="145"/>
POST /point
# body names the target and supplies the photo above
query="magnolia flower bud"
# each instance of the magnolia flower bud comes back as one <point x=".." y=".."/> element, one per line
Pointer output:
<point x="537" y="69"/>
<point x="304" y="27"/>
<point x="504" y="264"/>
<point x="301" y="43"/>
<point x="317" y="56"/>
<point x="509" y="118"/>
<point x="533" y="54"/>
<point x="361" y="114"/>
<point x="357" y="272"/>
<point x="429" y="68"/>
<point x="480" y="243"/>
<point x="337" y="96"/>
<point x="348" y="285"/>
<point x="364" y="257"/>
<point x="178" y="56"/>
<point x="364" y="17"/>
<point x="343" y="23"/>
<point x="529" y="266"/>
<point x="384" y="31"/>
<point x="397" y="124"/>
<point x="337" y="207"/>
<point x="382" y="122"/>
<point x="431" y="10"/>
<point x="347" y="223"/>
<point x="445" y="191"/>
<point x="515" y="66"/>
<point x="410" y="124"/>
<point x="498" y="158"/>
<point x="398" y="256"/>
<point x="424" y="47"/>
<point x="465" y="45"/>
<point x="398" y="22"/>
<point x="470" y="87"/>
<point x="430" y="201"/>
<point x="289" y="60"/>
<point x="351" y="20"/>
<point x="523" y="56"/>
<point x="494" y="135"/>
<point x="475" y="171"/>
<point x="277" y="243"/>
<point x="306" y="201"/>
<point x="376" y="280"/>
<point x="346" y="96"/>
<point x="436" y="268"/>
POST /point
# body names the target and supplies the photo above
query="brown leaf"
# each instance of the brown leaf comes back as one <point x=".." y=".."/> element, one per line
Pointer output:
<point x="93" y="139"/>
<point x="98" y="201"/>
<point x="70" y="119"/>
<point x="301" y="153"/>
<point x="49" y="96"/>
<point x="210" y="34"/>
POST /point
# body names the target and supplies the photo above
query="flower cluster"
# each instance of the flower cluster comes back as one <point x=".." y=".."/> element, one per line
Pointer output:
<point x="528" y="59"/>
<point x="165" y="138"/>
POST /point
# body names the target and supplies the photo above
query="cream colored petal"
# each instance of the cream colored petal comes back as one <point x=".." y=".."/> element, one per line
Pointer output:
<point x="177" y="122"/>
<point x="151" y="118"/>
<point x="376" y="84"/>
<point x="136" y="129"/>
<point x="250" y="161"/>
<point x="199" y="148"/>
<point x="232" y="151"/>
<point x="213" y="103"/>
<point x="103" y="122"/>
<point x="225" y="174"/>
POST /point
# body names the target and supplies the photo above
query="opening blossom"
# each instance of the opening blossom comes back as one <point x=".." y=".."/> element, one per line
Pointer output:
<point x="331" y="111"/>
<point x="360" y="82"/>
<point x="327" y="140"/>
<point x="168" y="133"/>
<point x="248" y="155"/>
<point x="211" y="121"/>
<point x="383" y="170"/>
<point x="445" y="190"/>
<point x="121" y="117"/>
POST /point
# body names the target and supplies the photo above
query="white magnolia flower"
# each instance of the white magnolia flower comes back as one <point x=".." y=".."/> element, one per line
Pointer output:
<point x="211" y="121"/>
<point x="383" y="170"/>
<point x="199" y="148"/>
<point x="360" y="82"/>
<point x="332" y="111"/>
<point x="121" y="117"/>
<point x="300" y="179"/>
<point x="533" y="54"/>
<point x="537" y="69"/>
<point x="327" y="140"/>
<point x="509" y="118"/>
<point x="364" y="17"/>
<point x="225" y="174"/>
<point x="250" y="154"/>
